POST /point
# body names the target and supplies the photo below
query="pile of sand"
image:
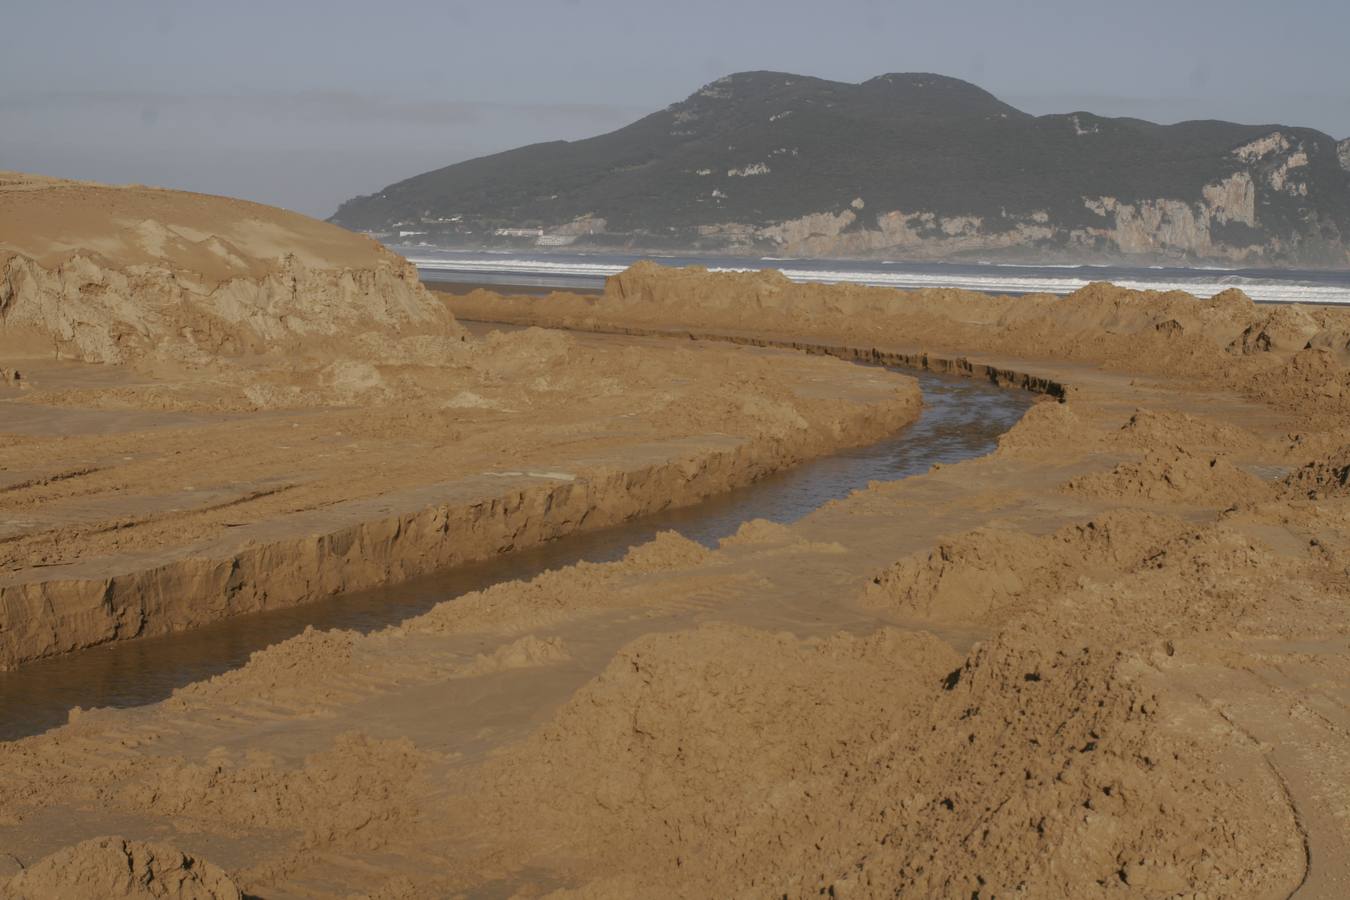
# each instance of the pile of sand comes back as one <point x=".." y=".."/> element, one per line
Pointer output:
<point x="1148" y="429"/>
<point x="1325" y="477"/>
<point x="1285" y="329"/>
<point x="360" y="792"/>
<point x="1313" y="380"/>
<point x="283" y="672"/>
<point x="135" y="274"/>
<point x="694" y="749"/>
<point x="986" y="575"/>
<point x="113" y="868"/>
<point x="1173" y="476"/>
<point x="699" y="761"/>
<point x="1044" y="427"/>
<point x="516" y="606"/>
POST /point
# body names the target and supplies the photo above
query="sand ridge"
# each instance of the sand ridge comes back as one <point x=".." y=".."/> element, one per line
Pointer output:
<point x="1294" y="358"/>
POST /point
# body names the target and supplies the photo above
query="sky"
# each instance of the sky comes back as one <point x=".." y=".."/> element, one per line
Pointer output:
<point x="306" y="103"/>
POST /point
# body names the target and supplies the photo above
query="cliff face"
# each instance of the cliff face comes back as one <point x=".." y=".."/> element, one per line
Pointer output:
<point x="117" y="275"/>
<point x="1221" y="223"/>
<point x="901" y="165"/>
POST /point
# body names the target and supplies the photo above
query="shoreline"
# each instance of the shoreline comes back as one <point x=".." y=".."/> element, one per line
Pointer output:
<point x="580" y="273"/>
<point x="1068" y="261"/>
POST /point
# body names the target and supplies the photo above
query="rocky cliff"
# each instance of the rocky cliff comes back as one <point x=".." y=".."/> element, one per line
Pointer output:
<point x="908" y="165"/>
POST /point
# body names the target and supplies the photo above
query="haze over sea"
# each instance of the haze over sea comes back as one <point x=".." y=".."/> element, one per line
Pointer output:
<point x="578" y="271"/>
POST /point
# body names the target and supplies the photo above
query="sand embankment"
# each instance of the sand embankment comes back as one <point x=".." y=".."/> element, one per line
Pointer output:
<point x="121" y="274"/>
<point x="1108" y="659"/>
<point x="146" y="530"/>
<point x="221" y="408"/>
<point x="1294" y="357"/>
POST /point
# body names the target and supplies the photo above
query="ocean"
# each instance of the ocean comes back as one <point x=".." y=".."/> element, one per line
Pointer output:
<point x="577" y="271"/>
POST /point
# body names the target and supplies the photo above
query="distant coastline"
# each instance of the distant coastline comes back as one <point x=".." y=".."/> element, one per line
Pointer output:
<point x="535" y="273"/>
<point x="911" y="165"/>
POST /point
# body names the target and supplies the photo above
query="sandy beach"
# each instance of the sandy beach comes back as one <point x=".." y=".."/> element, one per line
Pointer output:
<point x="1108" y="658"/>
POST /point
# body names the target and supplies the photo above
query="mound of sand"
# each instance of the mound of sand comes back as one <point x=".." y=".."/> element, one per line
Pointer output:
<point x="1325" y="477"/>
<point x="691" y="748"/>
<point x="554" y="594"/>
<point x="1285" y="329"/>
<point x="1310" y="379"/>
<point x="983" y="575"/>
<point x="1050" y="763"/>
<point x="118" y="274"/>
<point x="1175" y="476"/>
<point x="279" y="672"/>
<point x="1148" y="428"/>
<point x="1045" y="426"/>
<point x="112" y="867"/>
<point x="714" y="756"/>
<point x="360" y="792"/>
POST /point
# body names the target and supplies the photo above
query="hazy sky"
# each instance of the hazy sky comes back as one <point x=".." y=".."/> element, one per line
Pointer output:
<point x="306" y="103"/>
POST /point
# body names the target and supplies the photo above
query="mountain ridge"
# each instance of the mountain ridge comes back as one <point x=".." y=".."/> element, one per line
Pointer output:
<point x="917" y="165"/>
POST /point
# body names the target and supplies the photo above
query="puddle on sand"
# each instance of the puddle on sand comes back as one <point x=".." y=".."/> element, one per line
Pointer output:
<point x="962" y="419"/>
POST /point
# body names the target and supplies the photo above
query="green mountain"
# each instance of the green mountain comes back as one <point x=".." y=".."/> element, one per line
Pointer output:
<point x="905" y="165"/>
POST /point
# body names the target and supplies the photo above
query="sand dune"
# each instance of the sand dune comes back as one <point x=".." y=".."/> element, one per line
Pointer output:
<point x="142" y="275"/>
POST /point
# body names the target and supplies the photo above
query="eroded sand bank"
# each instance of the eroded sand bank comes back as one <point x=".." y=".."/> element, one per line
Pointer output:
<point x="162" y="523"/>
<point x="1110" y="658"/>
<point x="222" y="408"/>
